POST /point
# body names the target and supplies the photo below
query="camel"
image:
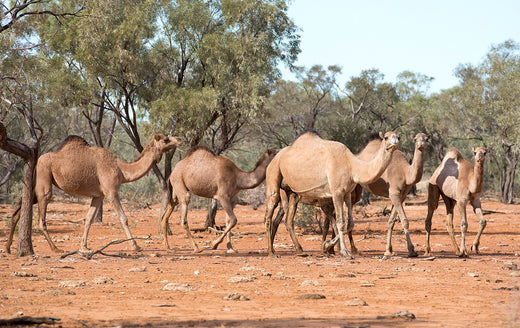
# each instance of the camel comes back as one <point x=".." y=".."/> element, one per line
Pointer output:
<point x="458" y="182"/>
<point x="83" y="170"/>
<point x="395" y="183"/>
<point x="207" y="175"/>
<point x="317" y="169"/>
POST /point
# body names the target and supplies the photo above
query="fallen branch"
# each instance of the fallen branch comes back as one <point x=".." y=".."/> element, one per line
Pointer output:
<point x="89" y="255"/>
<point x="26" y="320"/>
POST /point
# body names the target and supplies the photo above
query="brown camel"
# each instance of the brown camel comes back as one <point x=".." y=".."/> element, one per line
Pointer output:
<point x="80" y="169"/>
<point x="317" y="169"/>
<point x="395" y="183"/>
<point x="207" y="175"/>
<point x="458" y="182"/>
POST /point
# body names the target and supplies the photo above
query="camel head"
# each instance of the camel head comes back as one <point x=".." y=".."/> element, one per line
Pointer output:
<point x="421" y="140"/>
<point x="164" y="143"/>
<point x="270" y="154"/>
<point x="480" y="154"/>
<point x="390" y="140"/>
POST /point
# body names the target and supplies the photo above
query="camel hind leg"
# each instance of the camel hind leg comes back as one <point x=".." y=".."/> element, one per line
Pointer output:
<point x="165" y="219"/>
<point x="14" y="222"/>
<point x="231" y="221"/>
<point x="450" y="205"/>
<point x="289" y="223"/>
<point x="482" y="224"/>
<point x="433" y="203"/>
<point x="43" y="192"/>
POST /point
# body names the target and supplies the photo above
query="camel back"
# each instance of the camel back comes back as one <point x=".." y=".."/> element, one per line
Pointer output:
<point x="72" y="139"/>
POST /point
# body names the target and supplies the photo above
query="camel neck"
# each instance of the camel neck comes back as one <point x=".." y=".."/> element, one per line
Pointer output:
<point x="248" y="180"/>
<point x="477" y="180"/>
<point x="369" y="172"/>
<point x="415" y="170"/>
<point x="138" y="168"/>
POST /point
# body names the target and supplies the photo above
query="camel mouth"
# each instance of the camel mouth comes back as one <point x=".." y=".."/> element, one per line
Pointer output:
<point x="392" y="146"/>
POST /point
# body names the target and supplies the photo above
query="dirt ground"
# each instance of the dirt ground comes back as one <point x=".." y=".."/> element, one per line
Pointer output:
<point x="248" y="289"/>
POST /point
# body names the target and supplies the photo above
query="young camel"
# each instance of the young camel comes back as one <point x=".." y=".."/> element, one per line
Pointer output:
<point x="207" y="175"/>
<point x="458" y="182"/>
<point x="395" y="183"/>
<point x="80" y="169"/>
<point x="320" y="170"/>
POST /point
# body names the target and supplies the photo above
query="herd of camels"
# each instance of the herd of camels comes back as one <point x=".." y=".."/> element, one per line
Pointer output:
<point x="312" y="170"/>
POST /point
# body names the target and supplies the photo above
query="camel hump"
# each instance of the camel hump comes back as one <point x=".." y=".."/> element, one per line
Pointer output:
<point x="454" y="153"/>
<point x="196" y="149"/>
<point x="73" y="139"/>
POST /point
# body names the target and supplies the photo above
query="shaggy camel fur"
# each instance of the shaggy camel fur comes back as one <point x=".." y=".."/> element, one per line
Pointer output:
<point x="320" y="170"/>
<point x="458" y="182"/>
<point x="207" y="175"/>
<point x="395" y="183"/>
<point x="80" y="169"/>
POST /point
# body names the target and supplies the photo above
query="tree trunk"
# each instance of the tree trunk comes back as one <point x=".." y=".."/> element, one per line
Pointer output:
<point x="25" y="246"/>
<point x="507" y="172"/>
<point x="30" y="157"/>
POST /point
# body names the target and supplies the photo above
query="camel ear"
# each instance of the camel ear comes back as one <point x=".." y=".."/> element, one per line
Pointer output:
<point x="381" y="135"/>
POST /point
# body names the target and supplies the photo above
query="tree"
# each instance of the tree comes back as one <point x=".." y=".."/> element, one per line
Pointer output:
<point x="220" y="60"/>
<point x="487" y="109"/>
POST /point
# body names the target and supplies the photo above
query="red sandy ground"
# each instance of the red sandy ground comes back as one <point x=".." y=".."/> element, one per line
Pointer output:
<point x="447" y="291"/>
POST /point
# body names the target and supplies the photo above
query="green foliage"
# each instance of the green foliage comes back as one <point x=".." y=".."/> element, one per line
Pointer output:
<point x="308" y="218"/>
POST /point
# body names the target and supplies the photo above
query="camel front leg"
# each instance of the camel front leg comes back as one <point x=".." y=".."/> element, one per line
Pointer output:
<point x="433" y="202"/>
<point x="95" y="205"/>
<point x="397" y="201"/>
<point x="340" y="222"/>
<point x="328" y="210"/>
<point x="291" y="212"/>
<point x="164" y="224"/>
<point x="231" y="221"/>
<point x="463" y="228"/>
<point x="272" y="202"/>
<point x="391" y="222"/>
<point x="350" y="226"/>
<point x="116" y="203"/>
<point x="482" y="224"/>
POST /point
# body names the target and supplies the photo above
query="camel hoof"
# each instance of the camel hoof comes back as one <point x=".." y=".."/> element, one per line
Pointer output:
<point x="197" y="250"/>
<point x="388" y="254"/>
<point x="84" y="251"/>
<point x="474" y="248"/>
<point x="137" y="249"/>
<point x="57" y="250"/>
<point x="273" y="255"/>
<point x="302" y="254"/>
<point x="428" y="254"/>
<point x="346" y="255"/>
<point x="413" y="254"/>
<point x="231" y="251"/>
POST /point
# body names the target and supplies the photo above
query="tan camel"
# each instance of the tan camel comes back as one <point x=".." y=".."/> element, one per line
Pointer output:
<point x="320" y="170"/>
<point x="207" y="175"/>
<point x="458" y="182"/>
<point x="83" y="170"/>
<point x="395" y="183"/>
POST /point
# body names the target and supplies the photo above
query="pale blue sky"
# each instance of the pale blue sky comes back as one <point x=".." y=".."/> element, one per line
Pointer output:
<point x="427" y="37"/>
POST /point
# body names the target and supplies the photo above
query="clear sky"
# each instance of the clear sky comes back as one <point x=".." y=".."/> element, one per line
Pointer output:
<point x="427" y="37"/>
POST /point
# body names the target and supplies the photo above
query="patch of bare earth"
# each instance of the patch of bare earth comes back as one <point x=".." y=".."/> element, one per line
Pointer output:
<point x="215" y="289"/>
